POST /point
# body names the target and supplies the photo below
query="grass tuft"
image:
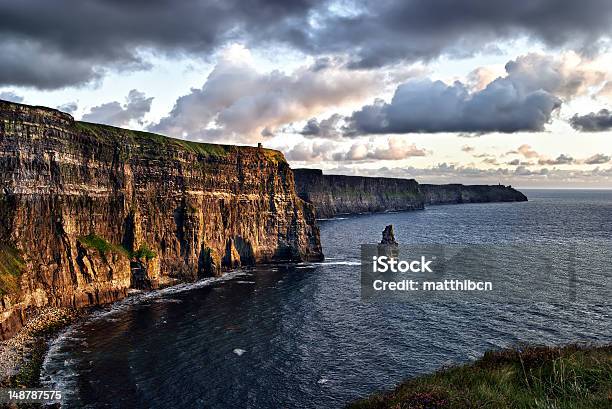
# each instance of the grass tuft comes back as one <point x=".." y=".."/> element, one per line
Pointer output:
<point x="144" y="252"/>
<point x="11" y="268"/>
<point x="571" y="377"/>
<point x="104" y="247"/>
<point x="156" y="144"/>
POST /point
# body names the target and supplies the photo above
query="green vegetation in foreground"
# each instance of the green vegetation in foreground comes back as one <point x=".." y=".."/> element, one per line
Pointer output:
<point x="11" y="267"/>
<point x="535" y="377"/>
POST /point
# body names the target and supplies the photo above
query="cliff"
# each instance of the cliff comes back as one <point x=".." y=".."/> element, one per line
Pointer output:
<point x="336" y="194"/>
<point x="455" y="193"/>
<point x="339" y="194"/>
<point x="89" y="211"/>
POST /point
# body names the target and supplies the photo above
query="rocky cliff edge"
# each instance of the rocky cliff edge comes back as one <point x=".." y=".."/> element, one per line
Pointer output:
<point x="89" y="211"/>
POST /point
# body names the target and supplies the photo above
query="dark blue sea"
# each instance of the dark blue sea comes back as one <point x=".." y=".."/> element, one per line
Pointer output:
<point x="300" y="336"/>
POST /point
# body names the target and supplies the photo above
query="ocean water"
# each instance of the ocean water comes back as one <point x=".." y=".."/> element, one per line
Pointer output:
<point x="300" y="336"/>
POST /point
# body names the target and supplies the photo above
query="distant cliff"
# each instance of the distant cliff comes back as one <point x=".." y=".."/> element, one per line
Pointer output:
<point x="89" y="211"/>
<point x="454" y="193"/>
<point x="337" y="194"/>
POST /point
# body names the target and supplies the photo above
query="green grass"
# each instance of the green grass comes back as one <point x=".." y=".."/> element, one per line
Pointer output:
<point x="144" y="252"/>
<point x="11" y="268"/>
<point x="119" y="134"/>
<point x="104" y="247"/>
<point x="274" y="155"/>
<point x="536" y="377"/>
<point x="114" y="134"/>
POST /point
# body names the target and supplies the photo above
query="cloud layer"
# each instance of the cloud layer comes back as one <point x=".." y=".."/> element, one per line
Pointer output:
<point x="523" y="100"/>
<point x="393" y="149"/>
<point x="455" y="173"/>
<point x="137" y="105"/>
<point x="239" y="103"/>
<point x="533" y="157"/>
<point x="98" y="35"/>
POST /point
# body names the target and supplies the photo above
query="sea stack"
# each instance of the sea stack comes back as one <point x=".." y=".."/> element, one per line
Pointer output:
<point x="388" y="237"/>
<point x="388" y="246"/>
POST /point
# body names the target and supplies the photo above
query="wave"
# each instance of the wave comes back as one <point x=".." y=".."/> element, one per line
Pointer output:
<point x="338" y="263"/>
<point x="59" y="372"/>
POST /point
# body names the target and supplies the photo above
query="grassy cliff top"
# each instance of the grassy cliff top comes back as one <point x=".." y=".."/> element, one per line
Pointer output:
<point x="200" y="148"/>
<point x="536" y="377"/>
<point x="11" y="110"/>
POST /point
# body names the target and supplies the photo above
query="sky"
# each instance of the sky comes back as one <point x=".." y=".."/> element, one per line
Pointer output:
<point x="443" y="91"/>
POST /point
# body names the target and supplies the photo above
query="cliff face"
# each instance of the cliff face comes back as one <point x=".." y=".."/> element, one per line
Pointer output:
<point x="335" y="194"/>
<point x="338" y="194"/>
<point x="90" y="211"/>
<point x="454" y="193"/>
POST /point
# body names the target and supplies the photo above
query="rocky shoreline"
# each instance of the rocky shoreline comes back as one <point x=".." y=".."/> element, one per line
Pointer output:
<point x="22" y="356"/>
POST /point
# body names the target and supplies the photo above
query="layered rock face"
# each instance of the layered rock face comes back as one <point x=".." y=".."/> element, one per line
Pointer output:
<point x="90" y="211"/>
<point x="337" y="194"/>
<point x="455" y="193"/>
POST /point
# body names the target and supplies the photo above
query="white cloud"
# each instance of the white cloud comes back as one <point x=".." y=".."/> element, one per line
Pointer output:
<point x="137" y="105"/>
<point x="239" y="103"/>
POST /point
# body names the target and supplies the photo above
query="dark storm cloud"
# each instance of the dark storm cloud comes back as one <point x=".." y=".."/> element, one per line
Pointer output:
<point x="388" y="31"/>
<point x="25" y="63"/>
<point x="524" y="100"/>
<point x="113" y="113"/>
<point x="426" y="106"/>
<point x="80" y="40"/>
<point x="52" y="44"/>
<point x="594" y="122"/>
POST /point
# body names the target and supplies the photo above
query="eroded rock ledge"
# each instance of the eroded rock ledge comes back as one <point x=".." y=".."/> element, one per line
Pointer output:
<point x="90" y="211"/>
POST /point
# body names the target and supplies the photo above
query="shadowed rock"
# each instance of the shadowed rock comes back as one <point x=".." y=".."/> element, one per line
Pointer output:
<point x="89" y="211"/>
<point x="388" y="246"/>
<point x="334" y="195"/>
<point x="388" y="237"/>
